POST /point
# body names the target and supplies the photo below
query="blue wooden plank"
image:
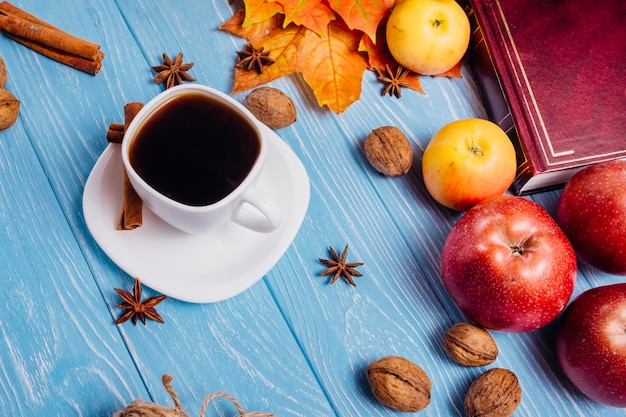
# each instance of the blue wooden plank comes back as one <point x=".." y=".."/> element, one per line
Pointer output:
<point x="59" y="353"/>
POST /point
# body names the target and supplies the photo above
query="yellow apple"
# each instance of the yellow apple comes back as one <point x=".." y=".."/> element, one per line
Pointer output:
<point x="428" y="36"/>
<point x="468" y="161"/>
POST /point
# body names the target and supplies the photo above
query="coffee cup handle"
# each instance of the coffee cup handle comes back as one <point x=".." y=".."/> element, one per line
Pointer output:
<point x="258" y="212"/>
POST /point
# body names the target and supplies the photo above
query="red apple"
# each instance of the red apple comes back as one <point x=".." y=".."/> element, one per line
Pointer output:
<point x="592" y="213"/>
<point x="591" y="344"/>
<point x="508" y="266"/>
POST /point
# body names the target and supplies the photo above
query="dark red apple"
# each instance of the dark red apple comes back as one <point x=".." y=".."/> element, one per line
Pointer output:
<point x="508" y="266"/>
<point x="592" y="213"/>
<point x="591" y="344"/>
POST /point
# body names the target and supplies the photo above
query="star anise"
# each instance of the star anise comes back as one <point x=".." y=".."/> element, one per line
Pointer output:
<point x="253" y="59"/>
<point x="340" y="268"/>
<point x="172" y="72"/>
<point x="393" y="80"/>
<point x="135" y="309"/>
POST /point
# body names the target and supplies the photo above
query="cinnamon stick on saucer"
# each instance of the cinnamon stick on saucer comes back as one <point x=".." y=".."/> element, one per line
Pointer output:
<point x="115" y="134"/>
<point x="49" y="40"/>
<point x="131" y="213"/>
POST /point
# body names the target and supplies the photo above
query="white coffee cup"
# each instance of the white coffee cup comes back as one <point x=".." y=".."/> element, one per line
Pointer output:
<point x="216" y="119"/>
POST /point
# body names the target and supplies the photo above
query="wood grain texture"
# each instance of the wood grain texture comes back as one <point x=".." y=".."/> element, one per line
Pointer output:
<point x="59" y="353"/>
<point x="292" y="345"/>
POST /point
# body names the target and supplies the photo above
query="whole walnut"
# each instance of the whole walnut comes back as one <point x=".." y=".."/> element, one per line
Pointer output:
<point x="3" y="73"/>
<point x="272" y="107"/>
<point x="470" y="345"/>
<point x="389" y="151"/>
<point x="9" y="109"/>
<point x="495" y="393"/>
<point x="399" y="384"/>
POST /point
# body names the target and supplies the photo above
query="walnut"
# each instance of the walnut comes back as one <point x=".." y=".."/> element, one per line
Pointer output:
<point x="272" y="107"/>
<point x="9" y="109"/>
<point x="470" y="345"/>
<point x="3" y="73"/>
<point x="399" y="384"/>
<point x="495" y="393"/>
<point x="389" y="151"/>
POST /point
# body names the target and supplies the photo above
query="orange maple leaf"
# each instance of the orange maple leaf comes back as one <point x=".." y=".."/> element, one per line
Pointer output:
<point x="331" y="64"/>
<point x="257" y="11"/>
<point x="254" y="32"/>
<point x="333" y="67"/>
<point x="363" y="15"/>
<point x="378" y="55"/>
<point x="454" y="72"/>
<point x="313" y="14"/>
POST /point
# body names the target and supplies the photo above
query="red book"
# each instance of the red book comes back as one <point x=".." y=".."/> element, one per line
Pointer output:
<point x="553" y="76"/>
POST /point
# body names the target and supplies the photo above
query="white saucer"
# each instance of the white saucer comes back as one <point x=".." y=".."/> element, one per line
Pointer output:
<point x="197" y="269"/>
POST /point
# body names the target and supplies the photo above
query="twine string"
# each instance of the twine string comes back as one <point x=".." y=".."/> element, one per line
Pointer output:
<point x="232" y="399"/>
<point x="167" y="383"/>
<point x="140" y="408"/>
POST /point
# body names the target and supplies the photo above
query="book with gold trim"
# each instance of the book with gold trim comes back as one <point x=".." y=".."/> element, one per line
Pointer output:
<point x="553" y="75"/>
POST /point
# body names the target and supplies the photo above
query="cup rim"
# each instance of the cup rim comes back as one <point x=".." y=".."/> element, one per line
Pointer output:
<point x="162" y="98"/>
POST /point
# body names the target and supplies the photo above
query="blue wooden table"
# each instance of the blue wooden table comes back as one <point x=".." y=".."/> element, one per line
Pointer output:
<point x="292" y="344"/>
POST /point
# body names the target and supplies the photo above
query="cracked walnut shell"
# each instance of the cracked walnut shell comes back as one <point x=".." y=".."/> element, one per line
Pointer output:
<point x="389" y="151"/>
<point x="272" y="107"/>
<point x="495" y="393"/>
<point x="399" y="384"/>
<point x="470" y="345"/>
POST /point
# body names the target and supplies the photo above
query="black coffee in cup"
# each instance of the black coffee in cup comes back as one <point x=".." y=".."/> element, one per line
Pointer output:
<point x="194" y="149"/>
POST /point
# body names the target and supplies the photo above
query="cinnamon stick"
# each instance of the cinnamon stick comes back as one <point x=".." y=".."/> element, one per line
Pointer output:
<point x="49" y="40"/>
<point x="91" y="67"/>
<point x="115" y="134"/>
<point x="131" y="213"/>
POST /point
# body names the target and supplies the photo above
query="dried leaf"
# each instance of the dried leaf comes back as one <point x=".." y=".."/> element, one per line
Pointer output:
<point x="255" y="32"/>
<point x="257" y="11"/>
<point x="334" y="68"/>
<point x="454" y="72"/>
<point x="331" y="64"/>
<point x="363" y="15"/>
<point x="312" y="14"/>
<point x="378" y="54"/>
